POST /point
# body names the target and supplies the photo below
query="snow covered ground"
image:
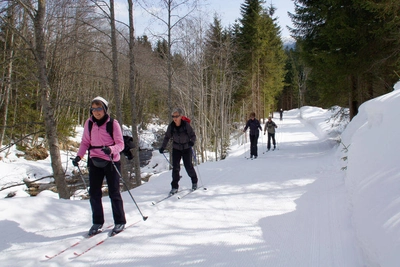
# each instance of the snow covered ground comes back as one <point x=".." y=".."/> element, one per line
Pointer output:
<point x="290" y="207"/>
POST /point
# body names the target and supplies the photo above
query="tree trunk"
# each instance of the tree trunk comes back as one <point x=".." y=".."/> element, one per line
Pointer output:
<point x="117" y="95"/>
<point x="169" y="60"/>
<point x="115" y="76"/>
<point x="353" y="103"/>
<point x="132" y="74"/>
<point x="48" y="111"/>
<point x="9" y="52"/>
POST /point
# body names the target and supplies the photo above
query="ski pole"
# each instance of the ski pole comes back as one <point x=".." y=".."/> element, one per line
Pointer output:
<point x="116" y="169"/>
<point x="180" y="176"/>
<point x="278" y="138"/>
<point x="264" y="140"/>
<point x="197" y="167"/>
<point x="277" y="141"/>
<point x="167" y="160"/>
<point x="244" y="148"/>
<point x="263" y="143"/>
<point x="244" y="144"/>
<point x="83" y="180"/>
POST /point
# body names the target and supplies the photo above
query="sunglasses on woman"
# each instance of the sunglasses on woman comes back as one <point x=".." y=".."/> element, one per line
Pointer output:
<point x="96" y="109"/>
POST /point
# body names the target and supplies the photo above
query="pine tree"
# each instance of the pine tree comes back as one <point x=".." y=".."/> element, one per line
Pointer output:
<point x="351" y="46"/>
<point x="261" y="58"/>
<point x="220" y="83"/>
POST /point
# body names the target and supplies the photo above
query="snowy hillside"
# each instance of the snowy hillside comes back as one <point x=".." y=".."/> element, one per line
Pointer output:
<point x="373" y="179"/>
<point x="290" y="207"/>
<point x="288" y="42"/>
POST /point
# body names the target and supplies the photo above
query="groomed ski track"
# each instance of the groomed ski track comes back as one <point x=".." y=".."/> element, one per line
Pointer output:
<point x="286" y="208"/>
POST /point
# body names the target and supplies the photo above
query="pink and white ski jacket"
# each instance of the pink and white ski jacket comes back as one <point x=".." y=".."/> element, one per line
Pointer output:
<point x="99" y="137"/>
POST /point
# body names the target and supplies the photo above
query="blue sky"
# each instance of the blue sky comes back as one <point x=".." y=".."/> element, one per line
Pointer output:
<point x="231" y="12"/>
<point x="228" y="11"/>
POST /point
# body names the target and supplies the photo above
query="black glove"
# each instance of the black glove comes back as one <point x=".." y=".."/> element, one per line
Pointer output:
<point x="191" y="143"/>
<point x="161" y="150"/>
<point x="76" y="160"/>
<point x="106" y="150"/>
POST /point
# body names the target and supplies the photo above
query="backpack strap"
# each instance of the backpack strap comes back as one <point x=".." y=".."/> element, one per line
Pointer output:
<point x="90" y="128"/>
<point x="109" y="129"/>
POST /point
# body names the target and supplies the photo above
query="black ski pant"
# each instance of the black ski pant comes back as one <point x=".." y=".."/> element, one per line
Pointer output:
<point x="96" y="177"/>
<point x="271" y="136"/>
<point x="186" y="155"/>
<point x="253" y="145"/>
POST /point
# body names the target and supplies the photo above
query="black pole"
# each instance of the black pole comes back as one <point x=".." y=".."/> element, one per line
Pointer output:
<point x="167" y="160"/>
<point x="116" y="169"/>
<point x="83" y="180"/>
<point x="197" y="167"/>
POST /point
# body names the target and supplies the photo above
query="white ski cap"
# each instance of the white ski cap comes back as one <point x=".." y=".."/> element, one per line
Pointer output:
<point x="105" y="102"/>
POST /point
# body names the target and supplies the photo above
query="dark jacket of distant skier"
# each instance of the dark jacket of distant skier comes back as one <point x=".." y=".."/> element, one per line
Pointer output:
<point x="254" y="125"/>
<point x="181" y="136"/>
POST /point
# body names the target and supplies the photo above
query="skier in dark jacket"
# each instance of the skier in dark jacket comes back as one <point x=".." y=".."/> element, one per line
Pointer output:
<point x="183" y="137"/>
<point x="254" y="125"/>
<point x="270" y="126"/>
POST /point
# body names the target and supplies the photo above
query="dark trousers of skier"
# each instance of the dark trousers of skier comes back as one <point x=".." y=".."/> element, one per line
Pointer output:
<point x="253" y="145"/>
<point x="186" y="155"/>
<point x="96" y="177"/>
<point x="271" y="136"/>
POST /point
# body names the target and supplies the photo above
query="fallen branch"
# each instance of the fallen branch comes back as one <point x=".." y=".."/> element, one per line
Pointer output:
<point x="25" y="182"/>
<point x="19" y="140"/>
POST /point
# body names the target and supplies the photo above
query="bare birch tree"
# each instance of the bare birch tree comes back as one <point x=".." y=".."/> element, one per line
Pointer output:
<point x="132" y="74"/>
<point x="8" y="57"/>
<point x="38" y="17"/>
<point x="171" y="20"/>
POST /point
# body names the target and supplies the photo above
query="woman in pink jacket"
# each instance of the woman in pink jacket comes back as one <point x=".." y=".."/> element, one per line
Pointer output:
<point x="103" y="147"/>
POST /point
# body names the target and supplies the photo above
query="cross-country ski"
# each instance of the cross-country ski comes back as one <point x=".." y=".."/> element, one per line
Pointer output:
<point x="201" y="188"/>
<point x="104" y="237"/>
<point x="79" y="242"/>
<point x="179" y="192"/>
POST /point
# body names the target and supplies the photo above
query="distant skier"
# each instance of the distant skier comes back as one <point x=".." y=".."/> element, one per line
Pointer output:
<point x="102" y="146"/>
<point x="270" y="126"/>
<point x="183" y="137"/>
<point x="254" y="125"/>
<point x="281" y="114"/>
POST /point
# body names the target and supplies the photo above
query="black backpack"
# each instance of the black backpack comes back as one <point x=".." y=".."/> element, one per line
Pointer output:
<point x="128" y="140"/>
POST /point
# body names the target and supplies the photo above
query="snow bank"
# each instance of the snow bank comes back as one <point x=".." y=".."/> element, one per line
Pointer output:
<point x="373" y="178"/>
<point x="324" y="120"/>
<point x="397" y="86"/>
